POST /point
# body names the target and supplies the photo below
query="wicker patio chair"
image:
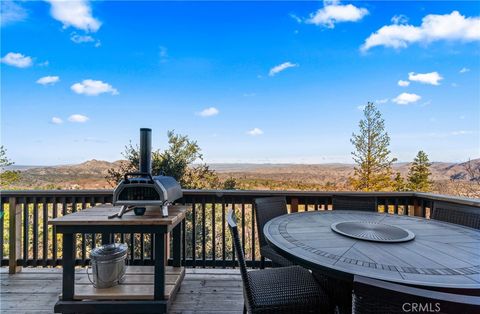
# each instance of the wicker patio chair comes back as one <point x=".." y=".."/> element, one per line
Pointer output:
<point x="361" y="203"/>
<point x="267" y="208"/>
<point x="277" y="290"/>
<point x="339" y="291"/>
<point x="457" y="214"/>
<point x="373" y="296"/>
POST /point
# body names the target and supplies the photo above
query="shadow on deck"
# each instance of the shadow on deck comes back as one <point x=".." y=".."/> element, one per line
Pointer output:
<point x="35" y="290"/>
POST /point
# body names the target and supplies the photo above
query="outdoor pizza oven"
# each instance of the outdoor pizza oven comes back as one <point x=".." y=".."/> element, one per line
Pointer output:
<point x="139" y="190"/>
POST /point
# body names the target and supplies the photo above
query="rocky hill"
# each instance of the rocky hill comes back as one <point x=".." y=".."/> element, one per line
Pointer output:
<point x="87" y="175"/>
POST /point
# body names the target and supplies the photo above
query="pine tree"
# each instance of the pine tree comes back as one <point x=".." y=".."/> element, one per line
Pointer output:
<point x="373" y="170"/>
<point x="399" y="183"/>
<point x="419" y="173"/>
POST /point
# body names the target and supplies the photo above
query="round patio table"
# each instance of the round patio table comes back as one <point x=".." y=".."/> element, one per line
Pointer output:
<point x="431" y="253"/>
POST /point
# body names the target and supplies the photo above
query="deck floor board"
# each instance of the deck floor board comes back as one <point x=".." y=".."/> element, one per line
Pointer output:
<point x="35" y="291"/>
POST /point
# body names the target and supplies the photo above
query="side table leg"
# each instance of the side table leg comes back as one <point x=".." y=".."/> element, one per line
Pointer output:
<point x="159" y="279"/>
<point x="68" y="261"/>
<point x="177" y="245"/>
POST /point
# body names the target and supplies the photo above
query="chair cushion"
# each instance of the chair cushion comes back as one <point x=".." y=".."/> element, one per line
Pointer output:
<point x="268" y="252"/>
<point x="285" y="288"/>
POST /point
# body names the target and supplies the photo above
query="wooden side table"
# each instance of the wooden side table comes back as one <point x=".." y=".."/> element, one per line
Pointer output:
<point x="139" y="293"/>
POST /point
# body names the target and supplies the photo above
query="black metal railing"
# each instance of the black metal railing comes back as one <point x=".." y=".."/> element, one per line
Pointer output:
<point x="206" y="240"/>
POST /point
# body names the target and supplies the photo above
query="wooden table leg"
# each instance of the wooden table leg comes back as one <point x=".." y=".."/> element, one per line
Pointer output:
<point x="159" y="275"/>
<point x="68" y="262"/>
<point x="177" y="245"/>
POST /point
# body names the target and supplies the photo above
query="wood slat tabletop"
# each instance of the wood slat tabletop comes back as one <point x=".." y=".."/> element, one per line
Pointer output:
<point x="98" y="215"/>
<point x="441" y="254"/>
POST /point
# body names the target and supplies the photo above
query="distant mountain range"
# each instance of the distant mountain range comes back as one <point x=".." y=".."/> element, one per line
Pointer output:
<point x="440" y="170"/>
<point x="91" y="174"/>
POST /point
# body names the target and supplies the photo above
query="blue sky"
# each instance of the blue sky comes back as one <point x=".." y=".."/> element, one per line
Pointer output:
<point x="250" y="81"/>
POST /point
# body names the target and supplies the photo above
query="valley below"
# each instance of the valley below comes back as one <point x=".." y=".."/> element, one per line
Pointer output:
<point x="448" y="178"/>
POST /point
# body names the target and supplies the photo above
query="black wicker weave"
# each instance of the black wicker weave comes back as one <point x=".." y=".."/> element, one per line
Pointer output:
<point x="457" y="214"/>
<point x="361" y="203"/>
<point x="267" y="208"/>
<point x="339" y="291"/>
<point x="373" y="296"/>
<point x="278" y="290"/>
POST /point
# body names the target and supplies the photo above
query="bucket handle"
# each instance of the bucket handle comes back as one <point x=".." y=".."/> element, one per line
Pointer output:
<point x="90" y="279"/>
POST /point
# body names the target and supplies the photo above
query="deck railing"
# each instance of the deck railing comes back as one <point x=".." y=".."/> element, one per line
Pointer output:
<point x="29" y="241"/>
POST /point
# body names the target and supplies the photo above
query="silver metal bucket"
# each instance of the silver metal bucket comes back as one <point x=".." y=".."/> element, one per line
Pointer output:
<point x="108" y="265"/>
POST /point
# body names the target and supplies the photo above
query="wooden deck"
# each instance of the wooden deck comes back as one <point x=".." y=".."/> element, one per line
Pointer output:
<point x="35" y="290"/>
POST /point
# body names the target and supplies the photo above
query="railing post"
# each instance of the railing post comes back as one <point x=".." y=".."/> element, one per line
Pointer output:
<point x="294" y="205"/>
<point x="417" y="209"/>
<point x="15" y="235"/>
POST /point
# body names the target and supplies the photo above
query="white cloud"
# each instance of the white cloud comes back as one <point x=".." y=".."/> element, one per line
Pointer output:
<point x="56" y="120"/>
<point x="48" y="80"/>
<point x="281" y="67"/>
<point x="17" y="60"/>
<point x="434" y="27"/>
<point x="464" y="70"/>
<point x="93" y="88"/>
<point x="406" y="98"/>
<point x="432" y="78"/>
<point x="399" y="19"/>
<point x="208" y="112"/>
<point x="296" y="18"/>
<point x="11" y="12"/>
<point x="382" y="101"/>
<point x="78" y="118"/>
<point x="461" y="132"/>
<point x="396" y="36"/>
<point x="76" y="13"/>
<point x="334" y="12"/>
<point x="403" y="83"/>
<point x="78" y="39"/>
<point x="43" y="64"/>
<point x="361" y="107"/>
<point x="255" y="132"/>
